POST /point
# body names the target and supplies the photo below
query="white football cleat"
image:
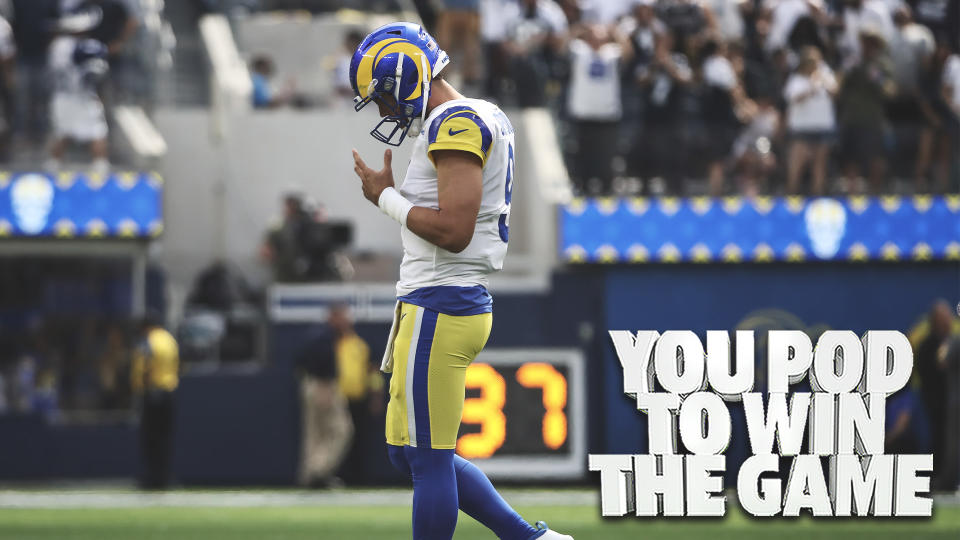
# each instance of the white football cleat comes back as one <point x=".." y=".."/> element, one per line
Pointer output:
<point x="550" y="535"/>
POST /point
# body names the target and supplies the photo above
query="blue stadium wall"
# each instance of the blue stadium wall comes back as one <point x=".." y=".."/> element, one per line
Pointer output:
<point x="243" y="427"/>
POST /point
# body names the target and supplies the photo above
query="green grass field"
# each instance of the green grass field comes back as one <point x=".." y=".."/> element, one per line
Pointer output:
<point x="382" y="522"/>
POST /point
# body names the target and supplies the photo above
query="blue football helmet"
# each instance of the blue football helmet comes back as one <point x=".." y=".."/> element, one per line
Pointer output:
<point x="394" y="66"/>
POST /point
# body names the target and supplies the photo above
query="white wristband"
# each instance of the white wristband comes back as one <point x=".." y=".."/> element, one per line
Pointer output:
<point x="393" y="204"/>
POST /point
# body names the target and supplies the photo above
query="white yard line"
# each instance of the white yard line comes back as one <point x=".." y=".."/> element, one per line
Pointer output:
<point x="113" y="498"/>
<point x="248" y="499"/>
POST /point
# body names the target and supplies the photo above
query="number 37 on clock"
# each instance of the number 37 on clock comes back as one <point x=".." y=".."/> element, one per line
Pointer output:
<point x="524" y="407"/>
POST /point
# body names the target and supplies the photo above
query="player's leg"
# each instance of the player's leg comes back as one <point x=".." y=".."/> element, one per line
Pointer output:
<point x="431" y="355"/>
<point x="480" y="500"/>
<point x="408" y="428"/>
<point x="457" y="342"/>
<point x="435" y="498"/>
<point x="475" y="495"/>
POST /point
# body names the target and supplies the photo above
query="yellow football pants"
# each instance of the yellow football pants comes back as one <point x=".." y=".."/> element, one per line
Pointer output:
<point x="430" y="358"/>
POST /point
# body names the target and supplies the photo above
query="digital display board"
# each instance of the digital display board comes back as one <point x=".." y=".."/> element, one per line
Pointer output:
<point x="761" y="229"/>
<point x="79" y="205"/>
<point x="524" y="413"/>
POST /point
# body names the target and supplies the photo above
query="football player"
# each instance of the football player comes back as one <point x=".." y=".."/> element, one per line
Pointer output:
<point x="454" y="213"/>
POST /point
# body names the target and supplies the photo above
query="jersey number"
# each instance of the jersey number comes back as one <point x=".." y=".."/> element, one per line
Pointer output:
<point x="507" y="195"/>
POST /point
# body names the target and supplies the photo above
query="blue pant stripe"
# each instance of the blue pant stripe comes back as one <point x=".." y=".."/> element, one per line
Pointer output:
<point x="421" y="403"/>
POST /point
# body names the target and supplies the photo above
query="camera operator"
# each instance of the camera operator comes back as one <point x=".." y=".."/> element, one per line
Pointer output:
<point x="305" y="246"/>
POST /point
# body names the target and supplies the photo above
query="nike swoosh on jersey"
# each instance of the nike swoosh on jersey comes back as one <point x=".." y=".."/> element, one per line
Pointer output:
<point x="451" y="132"/>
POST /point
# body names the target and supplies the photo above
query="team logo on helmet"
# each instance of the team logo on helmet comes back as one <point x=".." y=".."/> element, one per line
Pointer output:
<point x="379" y="51"/>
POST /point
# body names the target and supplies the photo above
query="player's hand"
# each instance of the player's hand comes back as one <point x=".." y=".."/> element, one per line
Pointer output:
<point x="374" y="182"/>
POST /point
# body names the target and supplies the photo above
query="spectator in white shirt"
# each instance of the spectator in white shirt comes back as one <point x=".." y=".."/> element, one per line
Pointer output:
<point x="942" y="17"/>
<point x="493" y="34"/>
<point x="781" y="16"/>
<point x="911" y="113"/>
<point x="860" y="16"/>
<point x="911" y="47"/>
<point x="604" y="12"/>
<point x="729" y="18"/>
<point x="811" y="121"/>
<point x="951" y="84"/>
<point x="79" y="66"/>
<point x="594" y="104"/>
<point x="536" y="33"/>
<point x="946" y="152"/>
<point x="724" y="107"/>
<point x="754" y="159"/>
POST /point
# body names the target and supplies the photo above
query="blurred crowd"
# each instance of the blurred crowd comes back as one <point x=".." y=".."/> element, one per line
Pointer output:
<point x="96" y="364"/>
<point x="691" y="97"/>
<point x="62" y="61"/>
<point x="67" y="338"/>
<point x="754" y="96"/>
<point x="69" y="363"/>
<point x="64" y="339"/>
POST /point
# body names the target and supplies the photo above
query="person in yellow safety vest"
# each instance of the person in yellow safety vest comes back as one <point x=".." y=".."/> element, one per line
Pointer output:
<point x="361" y="384"/>
<point x="326" y="426"/>
<point x="154" y="377"/>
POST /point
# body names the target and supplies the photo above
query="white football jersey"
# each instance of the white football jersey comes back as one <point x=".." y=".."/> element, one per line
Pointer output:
<point x="479" y="127"/>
